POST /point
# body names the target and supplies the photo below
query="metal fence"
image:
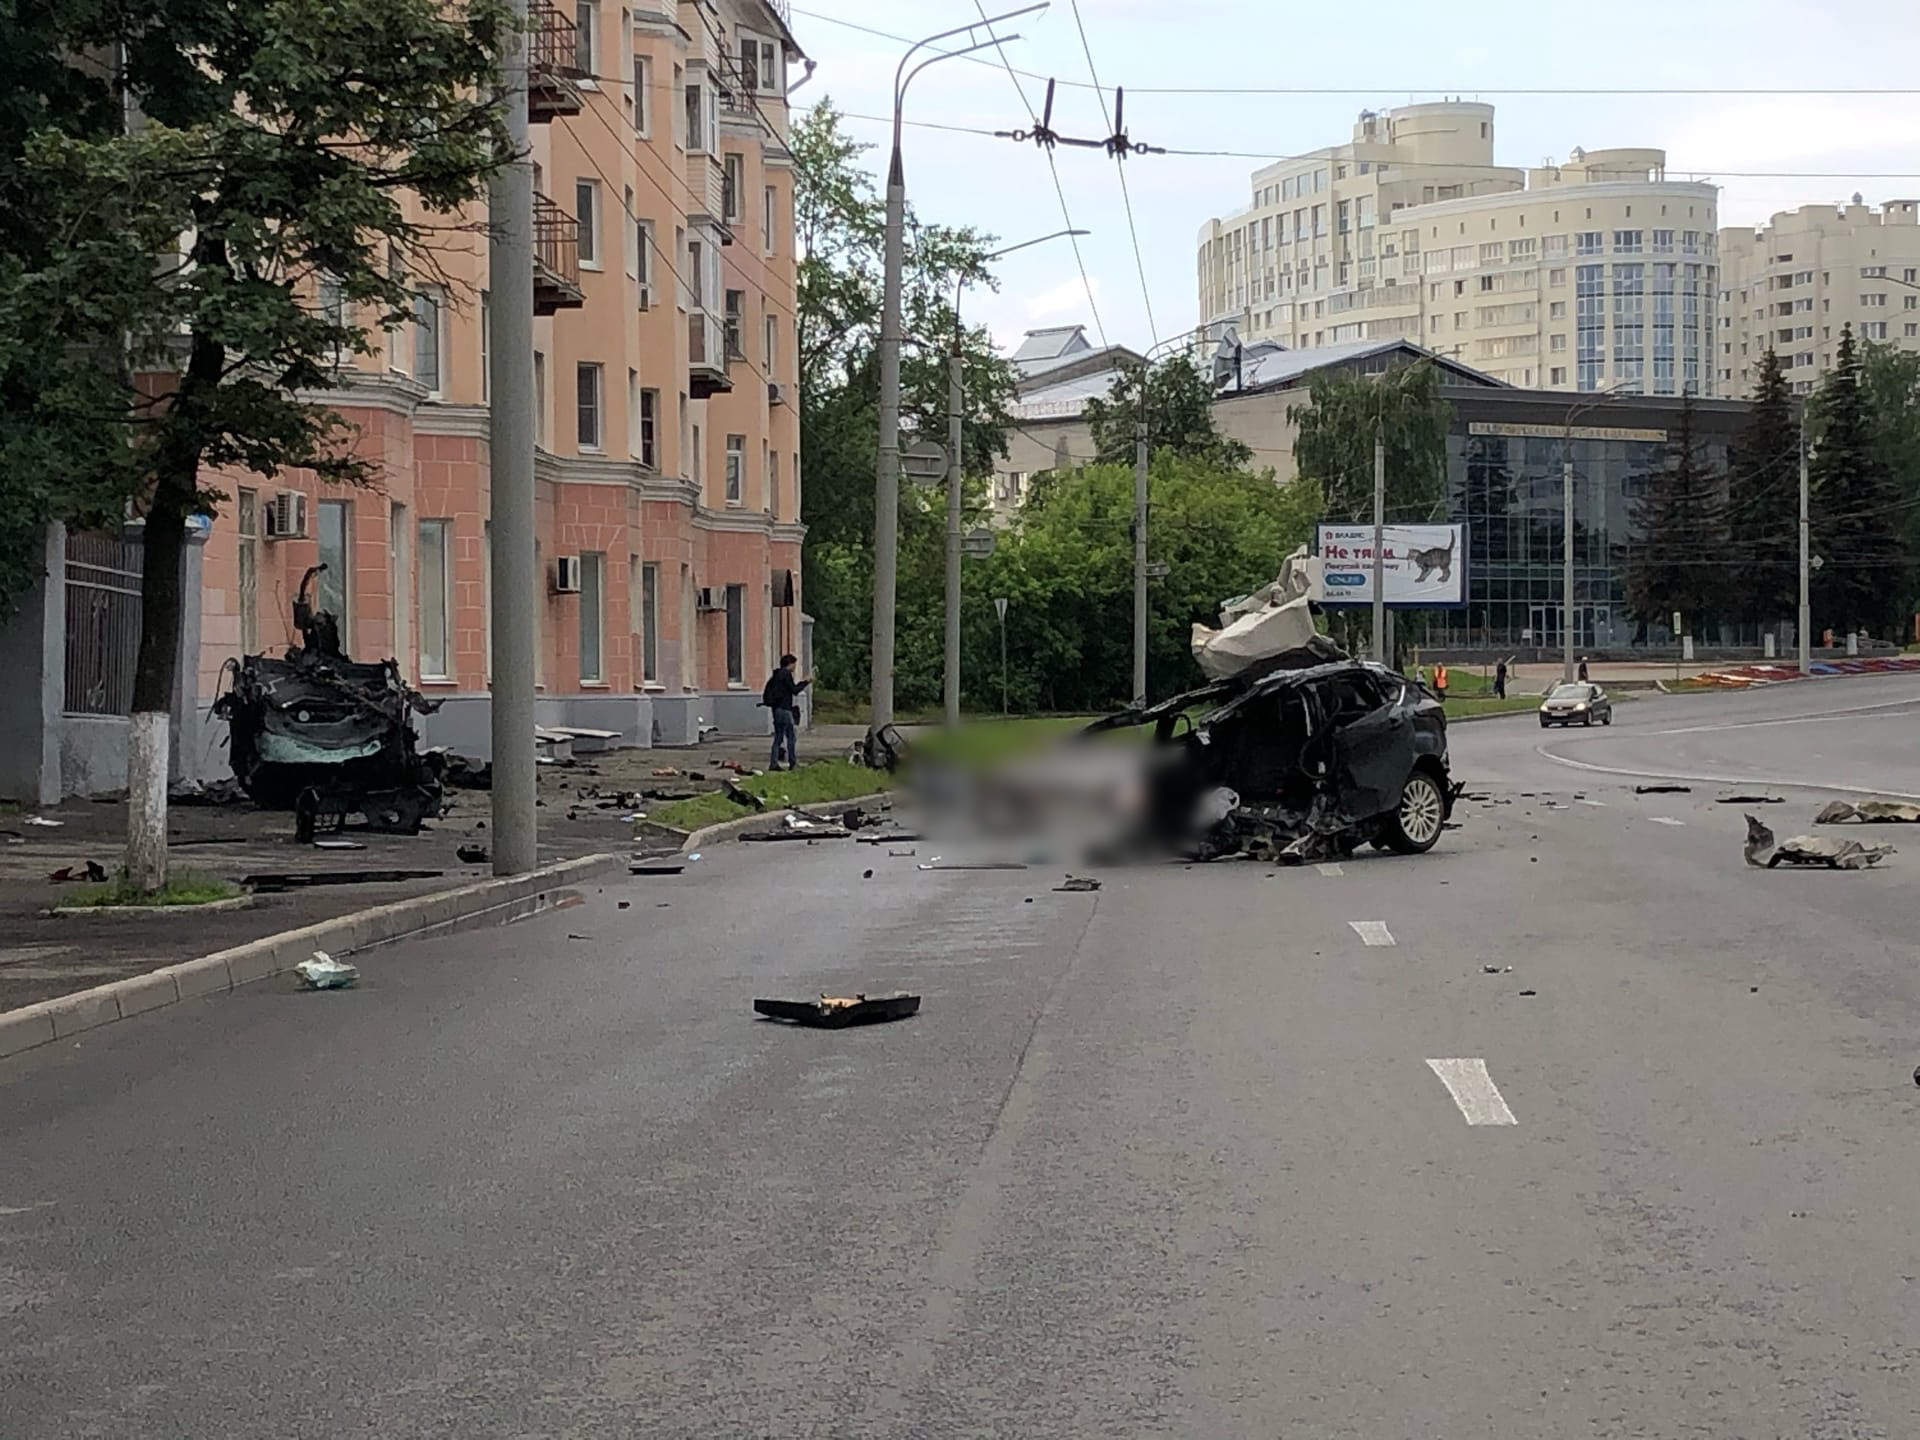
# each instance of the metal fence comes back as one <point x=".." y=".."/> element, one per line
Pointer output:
<point x="103" y="622"/>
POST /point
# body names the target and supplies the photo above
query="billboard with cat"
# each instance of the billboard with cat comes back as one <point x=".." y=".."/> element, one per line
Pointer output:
<point x="1424" y="567"/>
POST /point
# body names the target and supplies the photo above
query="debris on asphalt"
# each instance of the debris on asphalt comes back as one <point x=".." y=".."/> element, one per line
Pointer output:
<point x="92" y="871"/>
<point x="1761" y="850"/>
<point x="1868" y="812"/>
<point x="223" y="791"/>
<point x="572" y="936"/>
<point x="1916" y="1074"/>
<point x="657" y="867"/>
<point x="798" y="827"/>
<point x="273" y="882"/>
<point x="866" y="874"/>
<point x="1077" y="884"/>
<point x="1496" y="969"/>
<point x="43" y="822"/>
<point x="744" y="797"/>
<point x="694" y="856"/>
<point x="1529" y="992"/>
<point x="334" y="843"/>
<point x="623" y="905"/>
<point x="1663" y="789"/>
<point x="937" y="864"/>
<point x="473" y="854"/>
<point x="906" y="854"/>
<point x="1738" y="798"/>
<point x="834" y="1012"/>
<point x="665" y="772"/>
<point x="323" y="972"/>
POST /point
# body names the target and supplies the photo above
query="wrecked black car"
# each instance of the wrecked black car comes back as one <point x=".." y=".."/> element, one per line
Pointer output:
<point x="1295" y="763"/>
<point x="327" y="737"/>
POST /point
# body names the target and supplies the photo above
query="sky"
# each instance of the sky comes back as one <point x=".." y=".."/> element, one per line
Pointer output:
<point x="1798" y="139"/>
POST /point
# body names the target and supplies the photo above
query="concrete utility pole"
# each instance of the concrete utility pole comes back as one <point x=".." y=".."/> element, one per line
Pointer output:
<point x="886" y="480"/>
<point x="956" y="403"/>
<point x="1805" y="628"/>
<point x="1140" y="548"/>
<point x="1379" y="545"/>
<point x="510" y="446"/>
<point x="1566" y="566"/>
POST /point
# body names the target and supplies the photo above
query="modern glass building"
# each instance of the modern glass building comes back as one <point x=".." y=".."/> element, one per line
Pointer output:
<point x="1504" y="468"/>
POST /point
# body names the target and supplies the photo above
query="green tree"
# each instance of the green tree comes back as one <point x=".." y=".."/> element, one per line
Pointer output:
<point x="1858" y="518"/>
<point x="1066" y="566"/>
<point x="276" y="143"/>
<point x="1891" y="379"/>
<point x="840" y="221"/>
<point x="1680" y="520"/>
<point x="1337" y="428"/>
<point x="1763" y="488"/>
<point x="1179" y="416"/>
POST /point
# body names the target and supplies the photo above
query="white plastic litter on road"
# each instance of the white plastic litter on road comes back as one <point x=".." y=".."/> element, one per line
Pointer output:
<point x="1330" y="869"/>
<point x="1372" y="932"/>
<point x="1473" y="1091"/>
<point x="1665" y="820"/>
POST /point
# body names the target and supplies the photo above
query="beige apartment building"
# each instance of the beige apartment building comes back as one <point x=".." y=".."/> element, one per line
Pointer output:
<point x="1587" y="275"/>
<point x="1795" y="282"/>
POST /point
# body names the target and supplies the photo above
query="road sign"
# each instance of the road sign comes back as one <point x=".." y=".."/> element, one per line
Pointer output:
<point x="1816" y="562"/>
<point x="977" y="542"/>
<point x="1158" y="570"/>
<point x="925" y="463"/>
<point x="1000" y="608"/>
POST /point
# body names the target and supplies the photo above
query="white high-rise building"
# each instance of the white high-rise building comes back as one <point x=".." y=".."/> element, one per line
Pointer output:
<point x="1792" y="284"/>
<point x="1587" y="275"/>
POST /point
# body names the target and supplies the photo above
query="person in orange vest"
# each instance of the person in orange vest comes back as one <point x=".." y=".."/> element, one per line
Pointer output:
<point x="1440" y="680"/>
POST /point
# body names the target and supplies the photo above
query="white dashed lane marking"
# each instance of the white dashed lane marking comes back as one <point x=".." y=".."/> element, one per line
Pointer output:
<point x="1330" y="869"/>
<point x="1372" y="932"/>
<point x="1473" y="1091"/>
<point x="1597" y="804"/>
<point x="1665" y="820"/>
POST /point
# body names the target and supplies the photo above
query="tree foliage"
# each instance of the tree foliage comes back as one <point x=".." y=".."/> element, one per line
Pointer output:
<point x="1890" y="379"/>
<point x="1858" y="515"/>
<point x="1763" y="482"/>
<point x="1337" y="428"/>
<point x="1681" y="519"/>
<point x="1179" y="416"/>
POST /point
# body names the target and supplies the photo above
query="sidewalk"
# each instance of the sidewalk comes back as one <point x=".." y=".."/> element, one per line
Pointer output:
<point x="43" y="956"/>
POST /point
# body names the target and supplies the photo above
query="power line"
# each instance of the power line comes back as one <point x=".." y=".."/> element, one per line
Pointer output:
<point x="1112" y="121"/>
<point x="1379" y="89"/>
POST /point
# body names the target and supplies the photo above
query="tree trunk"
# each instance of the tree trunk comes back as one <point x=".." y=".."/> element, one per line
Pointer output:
<point x="156" y="672"/>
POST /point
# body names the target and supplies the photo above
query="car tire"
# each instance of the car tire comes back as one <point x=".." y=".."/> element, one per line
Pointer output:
<point x="1589" y="720"/>
<point x="1607" y="719"/>
<point x="1545" y="724"/>
<point x="1415" y="825"/>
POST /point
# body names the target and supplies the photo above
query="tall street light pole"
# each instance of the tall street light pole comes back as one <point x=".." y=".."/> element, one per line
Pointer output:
<point x="1804" y="630"/>
<point x="956" y="403"/>
<point x="1140" y="456"/>
<point x="510" y="448"/>
<point x="886" y="481"/>
<point x="1574" y="412"/>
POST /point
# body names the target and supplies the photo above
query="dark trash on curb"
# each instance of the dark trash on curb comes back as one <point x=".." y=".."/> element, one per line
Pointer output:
<point x="655" y="867"/>
<point x="1077" y="884"/>
<point x="835" y="1012"/>
<point x="92" y="871"/>
<point x="1740" y="798"/>
<point x="1663" y="789"/>
<point x="473" y="854"/>
<point x="278" y="882"/>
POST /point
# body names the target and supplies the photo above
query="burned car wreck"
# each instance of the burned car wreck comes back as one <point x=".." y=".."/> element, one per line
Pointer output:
<point x="1308" y="758"/>
<point x="329" y="737"/>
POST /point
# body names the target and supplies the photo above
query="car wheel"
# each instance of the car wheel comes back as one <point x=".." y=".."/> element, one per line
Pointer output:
<point x="1545" y="723"/>
<point x="1607" y="719"/>
<point x="1589" y="720"/>
<point x="1415" y="826"/>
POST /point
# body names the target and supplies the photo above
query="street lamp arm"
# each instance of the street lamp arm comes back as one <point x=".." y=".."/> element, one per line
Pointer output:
<point x="903" y="78"/>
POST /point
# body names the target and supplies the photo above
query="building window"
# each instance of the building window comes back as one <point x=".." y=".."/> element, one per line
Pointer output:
<point x="732" y="185"/>
<point x="773" y="483"/>
<point x="586" y="17"/>
<point x="486" y="347"/>
<point x="593" y="595"/>
<point x="1557" y="375"/>
<point x="643" y="261"/>
<point x="736" y="304"/>
<point x="1663" y="242"/>
<point x="333" y="587"/>
<point x="650" y="429"/>
<point x="1587" y="242"/>
<point x="426" y="339"/>
<point x="696" y="118"/>
<point x="436" y="576"/>
<point x="539" y="398"/>
<point x="247" y="522"/>
<point x="736" y="462"/>
<point x="679" y="112"/>
<point x="760" y="65"/>
<point x="736" y="634"/>
<point x="586" y="203"/>
<point x="588" y="397"/>
<point x="650" y="623"/>
<point x="642" y="96"/>
<point x="699" y="457"/>
<point x="1874" y="302"/>
<point x="1626" y="242"/>
<point x="770" y="327"/>
<point x="767" y="202"/>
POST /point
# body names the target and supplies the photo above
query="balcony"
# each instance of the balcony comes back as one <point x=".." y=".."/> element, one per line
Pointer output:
<point x="706" y="357"/>
<point x="556" y="259"/>
<point x="553" y="66"/>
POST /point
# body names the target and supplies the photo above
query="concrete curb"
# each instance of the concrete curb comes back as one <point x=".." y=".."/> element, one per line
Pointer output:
<point x="728" y="829"/>
<point x="489" y="902"/>
<point x="155" y="912"/>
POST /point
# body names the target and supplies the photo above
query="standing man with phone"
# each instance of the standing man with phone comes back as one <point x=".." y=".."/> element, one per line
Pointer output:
<point x="782" y="697"/>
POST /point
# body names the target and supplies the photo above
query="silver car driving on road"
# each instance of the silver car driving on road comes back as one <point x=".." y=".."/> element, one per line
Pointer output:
<point x="1575" y="703"/>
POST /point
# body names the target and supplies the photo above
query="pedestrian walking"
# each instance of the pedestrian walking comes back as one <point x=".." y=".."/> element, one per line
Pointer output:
<point x="782" y="697"/>
<point x="1583" y="668"/>
<point x="1500" y="680"/>
<point x="1440" y="680"/>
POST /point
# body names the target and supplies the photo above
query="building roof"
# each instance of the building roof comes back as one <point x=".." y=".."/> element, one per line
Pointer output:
<point x="1054" y="343"/>
<point x="1266" y="366"/>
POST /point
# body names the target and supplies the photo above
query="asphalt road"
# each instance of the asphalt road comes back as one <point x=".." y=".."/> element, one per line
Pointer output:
<point x="1215" y="1152"/>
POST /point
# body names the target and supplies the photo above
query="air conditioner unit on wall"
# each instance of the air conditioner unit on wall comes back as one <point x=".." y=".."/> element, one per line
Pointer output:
<point x="709" y="597"/>
<point x="286" y="516"/>
<point x="646" y="297"/>
<point x="566" y="574"/>
<point x="776" y="393"/>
